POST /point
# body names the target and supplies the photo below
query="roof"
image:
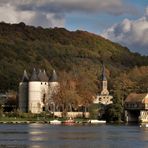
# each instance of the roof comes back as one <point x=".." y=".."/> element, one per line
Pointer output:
<point x="25" y="77"/>
<point x="43" y="76"/>
<point x="54" y="77"/>
<point x="134" y="97"/>
<point x="103" y="73"/>
<point x="34" y="76"/>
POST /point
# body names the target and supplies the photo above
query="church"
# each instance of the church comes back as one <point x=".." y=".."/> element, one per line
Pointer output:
<point x="104" y="97"/>
<point x="35" y="93"/>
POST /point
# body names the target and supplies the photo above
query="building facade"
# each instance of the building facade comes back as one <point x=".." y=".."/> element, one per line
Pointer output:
<point x="104" y="97"/>
<point x="35" y="93"/>
<point x="136" y="107"/>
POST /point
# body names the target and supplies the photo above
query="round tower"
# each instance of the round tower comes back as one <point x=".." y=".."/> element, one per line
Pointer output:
<point x="34" y="94"/>
<point x="53" y="87"/>
<point x="53" y="82"/>
<point x="43" y="78"/>
<point x="23" y="93"/>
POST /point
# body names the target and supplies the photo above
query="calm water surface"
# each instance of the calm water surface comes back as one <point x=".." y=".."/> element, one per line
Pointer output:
<point x="79" y="136"/>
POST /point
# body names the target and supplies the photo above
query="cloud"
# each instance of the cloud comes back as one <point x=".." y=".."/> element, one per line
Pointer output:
<point x="131" y="33"/>
<point x="50" y="13"/>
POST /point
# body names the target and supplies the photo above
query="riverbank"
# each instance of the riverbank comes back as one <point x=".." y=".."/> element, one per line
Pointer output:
<point x="14" y="120"/>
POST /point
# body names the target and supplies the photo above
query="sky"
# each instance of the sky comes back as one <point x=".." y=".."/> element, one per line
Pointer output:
<point x="122" y="21"/>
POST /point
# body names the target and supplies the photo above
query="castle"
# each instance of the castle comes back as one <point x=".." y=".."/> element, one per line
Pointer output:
<point x="104" y="97"/>
<point x="35" y="93"/>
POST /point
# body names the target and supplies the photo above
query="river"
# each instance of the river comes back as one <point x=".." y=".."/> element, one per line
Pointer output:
<point x="79" y="136"/>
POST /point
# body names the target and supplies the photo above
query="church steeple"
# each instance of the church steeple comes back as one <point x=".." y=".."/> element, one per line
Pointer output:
<point x="104" y="82"/>
<point x="103" y="73"/>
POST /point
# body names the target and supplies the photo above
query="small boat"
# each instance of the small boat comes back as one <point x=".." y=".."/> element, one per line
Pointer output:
<point x="55" y="122"/>
<point x="69" y="122"/>
<point x="144" y="125"/>
<point x="96" y="121"/>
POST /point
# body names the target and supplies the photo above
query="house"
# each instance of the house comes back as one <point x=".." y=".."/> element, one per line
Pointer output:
<point x="136" y="107"/>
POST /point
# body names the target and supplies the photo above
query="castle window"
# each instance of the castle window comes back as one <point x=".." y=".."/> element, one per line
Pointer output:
<point x="45" y="83"/>
<point x="41" y="83"/>
<point x="43" y="108"/>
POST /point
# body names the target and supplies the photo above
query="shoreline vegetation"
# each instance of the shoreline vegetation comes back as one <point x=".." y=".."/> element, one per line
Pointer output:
<point x="27" y="118"/>
<point x="47" y="120"/>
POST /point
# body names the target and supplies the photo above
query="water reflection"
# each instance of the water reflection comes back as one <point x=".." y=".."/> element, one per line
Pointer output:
<point x="45" y="135"/>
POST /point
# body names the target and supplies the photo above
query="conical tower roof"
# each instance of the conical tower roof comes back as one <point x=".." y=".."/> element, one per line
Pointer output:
<point x="34" y="76"/>
<point x="53" y="77"/>
<point x="25" y="77"/>
<point x="43" y="76"/>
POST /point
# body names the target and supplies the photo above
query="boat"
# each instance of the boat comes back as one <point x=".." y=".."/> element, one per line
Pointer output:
<point x="69" y="122"/>
<point x="55" y="122"/>
<point x="144" y="125"/>
<point x="96" y="121"/>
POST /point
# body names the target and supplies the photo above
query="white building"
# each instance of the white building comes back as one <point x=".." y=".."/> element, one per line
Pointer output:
<point x="104" y="97"/>
<point x="35" y="94"/>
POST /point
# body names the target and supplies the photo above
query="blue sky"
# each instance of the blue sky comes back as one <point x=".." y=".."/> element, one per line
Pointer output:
<point x="122" y="21"/>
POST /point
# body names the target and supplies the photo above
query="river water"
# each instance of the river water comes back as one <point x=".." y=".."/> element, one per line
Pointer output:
<point x="79" y="136"/>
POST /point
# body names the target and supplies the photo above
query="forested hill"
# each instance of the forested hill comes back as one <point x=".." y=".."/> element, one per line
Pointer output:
<point x="77" y="53"/>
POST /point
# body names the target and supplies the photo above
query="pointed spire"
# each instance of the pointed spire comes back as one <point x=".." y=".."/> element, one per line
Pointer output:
<point x="40" y="74"/>
<point x="54" y="77"/>
<point x="25" y="77"/>
<point x="34" y="76"/>
<point x="43" y="76"/>
<point x="103" y="73"/>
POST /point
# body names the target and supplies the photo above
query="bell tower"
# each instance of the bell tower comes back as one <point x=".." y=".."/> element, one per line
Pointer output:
<point x="104" y="82"/>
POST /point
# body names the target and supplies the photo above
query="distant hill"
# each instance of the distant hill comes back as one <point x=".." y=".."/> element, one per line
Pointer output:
<point x="81" y="53"/>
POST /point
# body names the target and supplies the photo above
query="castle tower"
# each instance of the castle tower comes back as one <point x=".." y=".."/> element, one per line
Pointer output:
<point x="23" y="93"/>
<point x="43" y="78"/>
<point x="53" y="87"/>
<point x="34" y="94"/>
<point x="53" y="83"/>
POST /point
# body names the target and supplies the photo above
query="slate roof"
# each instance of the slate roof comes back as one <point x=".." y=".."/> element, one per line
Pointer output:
<point x="25" y="77"/>
<point x="34" y="76"/>
<point x="43" y="76"/>
<point x="54" y="77"/>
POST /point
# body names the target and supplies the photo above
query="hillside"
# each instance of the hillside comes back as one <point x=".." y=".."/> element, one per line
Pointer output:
<point x="78" y="53"/>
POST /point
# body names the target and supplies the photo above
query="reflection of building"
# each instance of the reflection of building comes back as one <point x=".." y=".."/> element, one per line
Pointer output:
<point x="136" y="107"/>
<point x="35" y="93"/>
<point x="103" y="98"/>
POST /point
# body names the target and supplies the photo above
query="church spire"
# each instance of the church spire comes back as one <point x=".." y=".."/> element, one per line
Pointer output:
<point x="103" y="73"/>
<point x="25" y="77"/>
<point x="104" y="82"/>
